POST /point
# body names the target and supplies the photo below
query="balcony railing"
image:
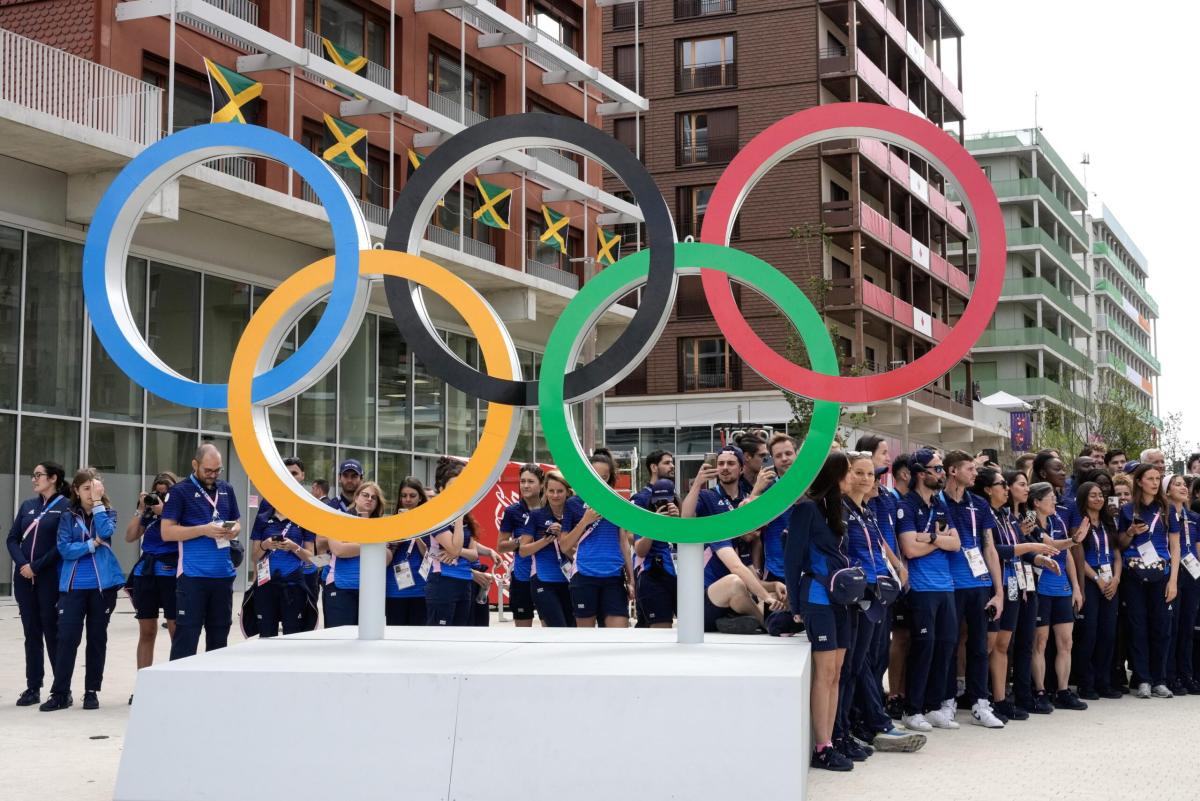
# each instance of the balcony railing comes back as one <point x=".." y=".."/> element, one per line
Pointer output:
<point x="51" y="81"/>
<point x="463" y="244"/>
<point x="1033" y="388"/>
<point x="377" y="215"/>
<point x="1103" y="285"/>
<point x="624" y="15"/>
<point x="450" y="107"/>
<point x="706" y="150"/>
<point x="715" y="75"/>
<point x="1025" y="237"/>
<point x="552" y="272"/>
<point x="1034" y="187"/>
<point x="558" y="161"/>
<point x="1104" y="251"/>
<point x="245" y="10"/>
<point x="375" y="73"/>
<point x="1034" y="337"/>
<point x="1104" y="323"/>
<point x="1040" y="287"/>
<point x="690" y="9"/>
<point x="236" y="166"/>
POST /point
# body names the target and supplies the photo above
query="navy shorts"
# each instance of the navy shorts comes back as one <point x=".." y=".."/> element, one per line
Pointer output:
<point x="901" y="611"/>
<point x="656" y="596"/>
<point x="713" y="613"/>
<point x="594" y="596"/>
<point x="828" y="627"/>
<point x="1007" y="621"/>
<point x="520" y="599"/>
<point x="1054" y="609"/>
<point x="151" y="593"/>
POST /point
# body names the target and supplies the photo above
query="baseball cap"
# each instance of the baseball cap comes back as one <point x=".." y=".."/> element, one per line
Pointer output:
<point x="782" y="624"/>
<point x="351" y="464"/>
<point x="1131" y="465"/>
<point x="736" y="451"/>
<point x="880" y="471"/>
<point x="920" y="460"/>
<point x="662" y="491"/>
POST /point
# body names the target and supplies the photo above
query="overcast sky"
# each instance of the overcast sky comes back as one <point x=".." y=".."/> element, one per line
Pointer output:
<point x="1119" y="85"/>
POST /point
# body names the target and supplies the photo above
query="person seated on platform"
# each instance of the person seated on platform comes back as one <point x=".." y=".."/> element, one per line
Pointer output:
<point x="405" y="604"/>
<point x="654" y="561"/>
<point x="515" y="521"/>
<point x="602" y="583"/>
<point x="730" y="587"/>
<point x="341" y="586"/>
<point x="450" y="589"/>
<point x="549" y="566"/>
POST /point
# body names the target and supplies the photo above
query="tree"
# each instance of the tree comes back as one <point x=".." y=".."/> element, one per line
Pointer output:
<point x="1111" y="415"/>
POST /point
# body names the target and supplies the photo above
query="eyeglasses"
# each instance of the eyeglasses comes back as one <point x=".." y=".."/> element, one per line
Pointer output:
<point x="211" y="471"/>
<point x="998" y="484"/>
<point x="370" y="497"/>
<point x="36" y="476"/>
<point x="937" y="469"/>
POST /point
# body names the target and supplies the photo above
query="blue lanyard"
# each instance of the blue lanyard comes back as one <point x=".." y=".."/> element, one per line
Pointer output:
<point x="211" y="501"/>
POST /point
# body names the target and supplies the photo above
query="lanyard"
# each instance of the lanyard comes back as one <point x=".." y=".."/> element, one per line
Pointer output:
<point x="211" y="501"/>
<point x="974" y="536"/>
<point x="37" y="520"/>
<point x="1187" y="529"/>
<point x="856" y="515"/>
<point x="1102" y="547"/>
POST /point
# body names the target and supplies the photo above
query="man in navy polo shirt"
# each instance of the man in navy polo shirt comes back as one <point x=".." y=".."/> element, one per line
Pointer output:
<point x="201" y="514"/>
<point x="350" y="476"/>
<point x="927" y="537"/>
<point x="978" y="585"/>
<point x="660" y="465"/>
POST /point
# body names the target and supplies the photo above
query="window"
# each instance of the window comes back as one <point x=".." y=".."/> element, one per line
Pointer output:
<point x="706" y="365"/>
<point x="557" y="19"/>
<point x="689" y="9"/>
<point x="625" y="15"/>
<point x="348" y="26"/>
<point x="690" y="300"/>
<point x="545" y="254"/>
<point x="193" y="102"/>
<point x="838" y="193"/>
<point x="706" y="137"/>
<point x="693" y="203"/>
<point x="629" y="66"/>
<point x="372" y="187"/>
<point x="708" y="63"/>
<point x="446" y="216"/>
<point x="447" y="78"/>
<point x="631" y="132"/>
<point x="11" y="246"/>
<point x="53" y="342"/>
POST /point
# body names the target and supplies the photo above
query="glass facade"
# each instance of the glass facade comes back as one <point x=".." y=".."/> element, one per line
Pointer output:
<point x="62" y="399"/>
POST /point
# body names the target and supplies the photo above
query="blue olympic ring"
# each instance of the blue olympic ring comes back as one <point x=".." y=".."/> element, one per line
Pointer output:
<point x="112" y="229"/>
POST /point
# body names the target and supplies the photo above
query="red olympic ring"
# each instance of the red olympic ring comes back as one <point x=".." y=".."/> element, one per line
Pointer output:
<point x="845" y="121"/>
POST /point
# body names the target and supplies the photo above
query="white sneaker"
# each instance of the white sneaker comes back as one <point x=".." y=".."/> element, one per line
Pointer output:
<point x="1143" y="690"/>
<point x="950" y="707"/>
<point x="982" y="714"/>
<point x="1162" y="691"/>
<point x="940" y="720"/>
<point x="898" y="741"/>
<point x="916" y="722"/>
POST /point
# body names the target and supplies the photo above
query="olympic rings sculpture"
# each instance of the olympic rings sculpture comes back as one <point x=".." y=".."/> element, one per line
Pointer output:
<point x="255" y="382"/>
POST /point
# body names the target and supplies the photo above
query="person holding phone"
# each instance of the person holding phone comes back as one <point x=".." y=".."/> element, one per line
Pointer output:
<point x="927" y="537"/>
<point x="201" y="514"/>
<point x="1151" y="553"/>
<point x="539" y="541"/>
<point x="654" y="561"/>
<point x="33" y="546"/>
<point x="405" y="604"/>
<point x="1059" y="598"/>
<point x="281" y="550"/>
<point x="450" y="585"/>
<point x="516" y="518"/>
<point x="151" y="584"/>
<point x="1099" y="563"/>
<point x="1179" y="671"/>
<point x="87" y="588"/>
<point x="341" y="585"/>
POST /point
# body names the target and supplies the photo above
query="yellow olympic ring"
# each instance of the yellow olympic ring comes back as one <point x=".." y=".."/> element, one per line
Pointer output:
<point x="289" y="498"/>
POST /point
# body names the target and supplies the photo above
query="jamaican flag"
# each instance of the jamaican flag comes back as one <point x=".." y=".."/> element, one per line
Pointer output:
<point x="415" y="160"/>
<point x="555" y="234"/>
<point x="234" y="96"/>
<point x="345" y="59"/>
<point x="345" y="144"/>
<point x="609" y="249"/>
<point x="494" y="202"/>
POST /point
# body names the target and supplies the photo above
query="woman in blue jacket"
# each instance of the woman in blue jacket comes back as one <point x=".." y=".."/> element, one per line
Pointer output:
<point x="33" y="547"/>
<point x="87" y="585"/>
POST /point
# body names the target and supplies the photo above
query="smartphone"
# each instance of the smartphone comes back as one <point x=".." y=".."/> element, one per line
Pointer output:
<point x="767" y="462"/>
<point x="228" y="524"/>
<point x="991" y="612"/>
<point x="992" y="454"/>
<point x="710" y="459"/>
<point x="1114" y="502"/>
<point x="1031" y="516"/>
<point x="277" y="538"/>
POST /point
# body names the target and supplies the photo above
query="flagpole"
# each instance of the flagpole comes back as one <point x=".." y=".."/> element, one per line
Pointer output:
<point x="171" y="75"/>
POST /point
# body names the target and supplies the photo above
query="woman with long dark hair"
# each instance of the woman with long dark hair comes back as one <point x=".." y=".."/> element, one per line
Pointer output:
<point x="341" y="585"/>
<point x="87" y="585"/>
<point x="450" y="588"/>
<point x="999" y="490"/>
<point x="1183" y="620"/>
<point x="152" y="582"/>
<point x="1098" y="562"/>
<point x="539" y="542"/>
<point x="32" y="544"/>
<point x="515" y="521"/>
<point x="1151" y="553"/>
<point x="815" y="550"/>
<point x="405" y="603"/>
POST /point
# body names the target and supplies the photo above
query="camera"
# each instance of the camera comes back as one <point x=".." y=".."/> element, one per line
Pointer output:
<point x="152" y="498"/>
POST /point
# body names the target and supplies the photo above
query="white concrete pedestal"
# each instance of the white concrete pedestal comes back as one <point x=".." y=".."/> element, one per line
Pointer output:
<point x="474" y="714"/>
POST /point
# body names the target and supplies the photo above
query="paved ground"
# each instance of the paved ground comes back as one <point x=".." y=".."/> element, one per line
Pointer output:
<point x="73" y="755"/>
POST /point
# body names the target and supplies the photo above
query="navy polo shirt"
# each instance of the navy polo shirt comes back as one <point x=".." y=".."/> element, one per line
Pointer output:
<point x="187" y="506"/>
<point x="929" y="573"/>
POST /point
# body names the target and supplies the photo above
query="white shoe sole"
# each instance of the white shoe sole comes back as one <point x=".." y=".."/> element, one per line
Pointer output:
<point x="996" y="724"/>
<point x="905" y="744"/>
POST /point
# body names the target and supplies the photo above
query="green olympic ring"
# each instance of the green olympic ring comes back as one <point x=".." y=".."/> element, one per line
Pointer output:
<point x="566" y="342"/>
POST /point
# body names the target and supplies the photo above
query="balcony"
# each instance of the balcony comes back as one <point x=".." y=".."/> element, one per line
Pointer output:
<point x="878" y="299"/>
<point x="553" y="158"/>
<point x="690" y="9"/>
<point x="53" y="82"/>
<point x="236" y="166"/>
<point x="375" y="73"/>
<point x="1035" y="287"/>
<point x="1009" y="338"/>
<point x="551" y="272"/>
<point x="1105" y="252"/>
<point x="1035" y="388"/>
<point x="706" y="150"/>
<point x="1035" y="188"/>
<point x="463" y="244"/>
<point x="1028" y="138"/>
<point x="1036" y="237"/>
<point x="1109" y="359"/>
<point x="1104" y="323"/>
<point x="713" y="75"/>
<point x="1103" y="285"/>
<point x="245" y="10"/>
<point x="450" y="107"/>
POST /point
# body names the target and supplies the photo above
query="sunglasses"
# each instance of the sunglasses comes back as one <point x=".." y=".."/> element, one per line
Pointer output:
<point x="370" y="497"/>
<point x="937" y="469"/>
<point x="999" y="484"/>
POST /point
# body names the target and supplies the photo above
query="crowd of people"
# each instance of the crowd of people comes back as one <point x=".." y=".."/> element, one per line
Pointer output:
<point x="1003" y="593"/>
